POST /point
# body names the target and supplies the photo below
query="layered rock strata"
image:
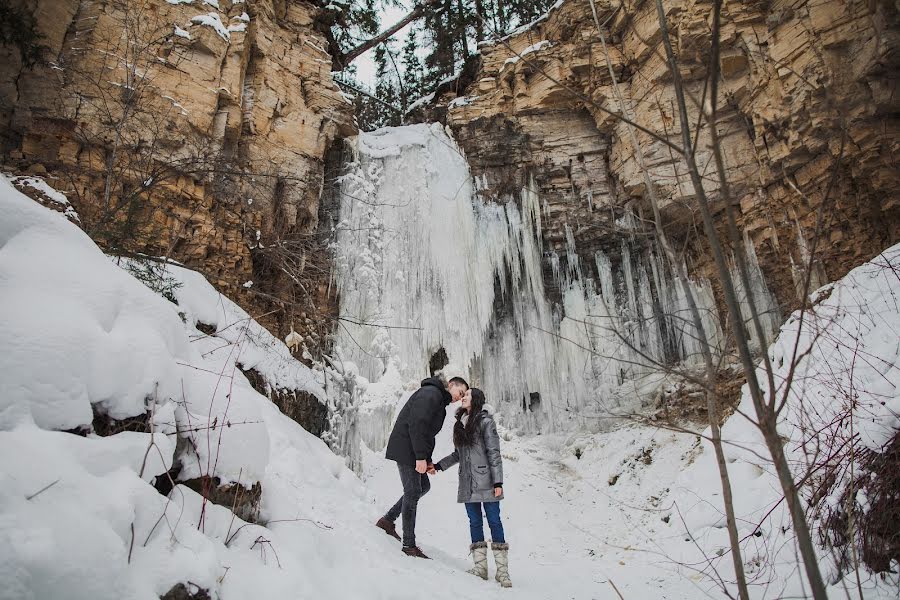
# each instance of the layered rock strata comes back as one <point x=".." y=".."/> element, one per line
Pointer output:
<point x="808" y="116"/>
<point x="191" y="129"/>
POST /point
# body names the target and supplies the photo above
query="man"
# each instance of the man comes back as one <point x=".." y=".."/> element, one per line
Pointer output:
<point x="410" y="445"/>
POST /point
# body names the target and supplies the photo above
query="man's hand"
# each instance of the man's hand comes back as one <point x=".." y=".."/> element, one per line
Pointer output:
<point x="497" y="492"/>
<point x="431" y="469"/>
<point x="421" y="466"/>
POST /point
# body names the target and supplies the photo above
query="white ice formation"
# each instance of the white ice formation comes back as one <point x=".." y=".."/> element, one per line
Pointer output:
<point x="423" y="264"/>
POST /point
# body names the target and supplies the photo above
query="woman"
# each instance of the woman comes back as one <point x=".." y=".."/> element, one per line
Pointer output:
<point x="480" y="481"/>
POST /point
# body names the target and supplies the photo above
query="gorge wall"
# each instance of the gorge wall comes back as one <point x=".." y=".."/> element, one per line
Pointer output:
<point x="192" y="129"/>
<point x="808" y="114"/>
<point x="211" y="131"/>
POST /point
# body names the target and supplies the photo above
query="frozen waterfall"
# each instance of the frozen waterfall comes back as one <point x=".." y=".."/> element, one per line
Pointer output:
<point x="425" y="268"/>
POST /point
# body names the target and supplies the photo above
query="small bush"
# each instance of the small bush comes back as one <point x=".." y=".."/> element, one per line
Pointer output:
<point x="155" y="276"/>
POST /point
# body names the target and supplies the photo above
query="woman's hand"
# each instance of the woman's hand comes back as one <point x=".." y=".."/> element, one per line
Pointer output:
<point x="498" y="491"/>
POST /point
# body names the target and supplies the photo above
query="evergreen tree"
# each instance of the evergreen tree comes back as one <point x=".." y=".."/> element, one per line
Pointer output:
<point x="413" y="72"/>
<point x="387" y="88"/>
<point x="450" y="28"/>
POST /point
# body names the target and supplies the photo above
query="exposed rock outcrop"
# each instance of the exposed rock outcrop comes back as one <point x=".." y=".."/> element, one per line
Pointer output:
<point x="808" y="109"/>
<point x="242" y="501"/>
<point x="195" y="130"/>
<point x="191" y="591"/>
<point x="300" y="406"/>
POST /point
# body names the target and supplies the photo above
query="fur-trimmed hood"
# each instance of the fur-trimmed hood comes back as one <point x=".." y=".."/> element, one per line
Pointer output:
<point x="487" y="408"/>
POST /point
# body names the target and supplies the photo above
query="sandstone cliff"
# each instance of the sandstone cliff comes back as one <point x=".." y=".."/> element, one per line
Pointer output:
<point x="808" y="110"/>
<point x="193" y="129"/>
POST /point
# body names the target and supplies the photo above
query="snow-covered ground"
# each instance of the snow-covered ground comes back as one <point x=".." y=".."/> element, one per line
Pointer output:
<point x="632" y="511"/>
<point x="571" y="534"/>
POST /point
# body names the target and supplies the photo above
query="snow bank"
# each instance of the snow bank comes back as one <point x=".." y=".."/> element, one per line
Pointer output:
<point x="389" y="141"/>
<point x="54" y="196"/>
<point x="260" y="351"/>
<point x="72" y="324"/>
<point x="846" y="384"/>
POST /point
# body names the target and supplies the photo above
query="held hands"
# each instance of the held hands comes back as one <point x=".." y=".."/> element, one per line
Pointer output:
<point x="421" y="466"/>
<point x="431" y="469"/>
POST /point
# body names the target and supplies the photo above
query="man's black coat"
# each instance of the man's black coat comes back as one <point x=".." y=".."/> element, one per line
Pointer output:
<point x="418" y="423"/>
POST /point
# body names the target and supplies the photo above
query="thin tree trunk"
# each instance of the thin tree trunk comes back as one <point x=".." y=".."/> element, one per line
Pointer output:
<point x="712" y="403"/>
<point x="479" y="17"/>
<point x="766" y="418"/>
<point x="341" y="61"/>
<point x="461" y="15"/>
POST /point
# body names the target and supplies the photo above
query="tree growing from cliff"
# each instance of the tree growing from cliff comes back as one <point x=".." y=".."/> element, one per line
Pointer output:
<point x="453" y="28"/>
<point x="450" y="29"/>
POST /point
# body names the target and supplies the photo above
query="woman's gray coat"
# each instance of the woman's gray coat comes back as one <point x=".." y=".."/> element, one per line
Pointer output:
<point x="480" y="465"/>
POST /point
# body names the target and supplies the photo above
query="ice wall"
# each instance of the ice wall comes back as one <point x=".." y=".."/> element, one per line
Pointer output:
<point x="423" y="263"/>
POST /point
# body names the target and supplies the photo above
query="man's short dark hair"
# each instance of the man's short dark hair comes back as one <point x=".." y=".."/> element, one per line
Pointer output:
<point x="458" y="380"/>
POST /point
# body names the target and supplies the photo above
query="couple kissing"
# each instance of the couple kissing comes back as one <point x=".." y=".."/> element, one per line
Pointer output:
<point x="477" y="451"/>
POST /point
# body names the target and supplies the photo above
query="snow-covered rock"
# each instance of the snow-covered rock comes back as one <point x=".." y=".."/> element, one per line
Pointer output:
<point x="72" y="324"/>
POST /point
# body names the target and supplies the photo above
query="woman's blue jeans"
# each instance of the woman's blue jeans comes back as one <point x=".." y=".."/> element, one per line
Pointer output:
<point x="476" y="524"/>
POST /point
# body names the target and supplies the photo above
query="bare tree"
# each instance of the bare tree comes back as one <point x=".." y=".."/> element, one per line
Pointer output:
<point x="768" y="399"/>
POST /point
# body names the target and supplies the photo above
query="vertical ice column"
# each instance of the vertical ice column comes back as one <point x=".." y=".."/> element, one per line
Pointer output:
<point x="762" y="298"/>
<point x="412" y="257"/>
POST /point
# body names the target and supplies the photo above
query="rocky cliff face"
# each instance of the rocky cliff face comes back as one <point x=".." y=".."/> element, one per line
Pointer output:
<point x="808" y="109"/>
<point x="194" y="129"/>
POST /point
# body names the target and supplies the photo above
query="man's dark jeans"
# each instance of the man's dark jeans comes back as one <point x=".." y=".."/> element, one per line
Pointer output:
<point x="415" y="485"/>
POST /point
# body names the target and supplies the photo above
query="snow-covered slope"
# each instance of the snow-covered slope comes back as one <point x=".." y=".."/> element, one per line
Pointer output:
<point x="836" y="369"/>
<point x="79" y="517"/>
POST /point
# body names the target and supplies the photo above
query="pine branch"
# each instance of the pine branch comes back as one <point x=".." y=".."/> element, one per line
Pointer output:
<point x="342" y="60"/>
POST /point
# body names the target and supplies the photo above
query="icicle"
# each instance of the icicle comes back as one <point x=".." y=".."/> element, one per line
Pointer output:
<point x="766" y="306"/>
<point x="573" y="263"/>
<point x="553" y="258"/>
<point x="419" y="257"/>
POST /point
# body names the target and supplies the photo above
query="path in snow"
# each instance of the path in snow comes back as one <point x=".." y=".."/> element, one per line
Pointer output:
<point x="568" y="530"/>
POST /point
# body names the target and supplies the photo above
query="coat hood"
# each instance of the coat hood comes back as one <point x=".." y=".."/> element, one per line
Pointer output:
<point x="436" y="382"/>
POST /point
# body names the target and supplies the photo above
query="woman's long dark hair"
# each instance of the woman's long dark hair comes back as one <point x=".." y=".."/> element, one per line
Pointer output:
<point x="464" y="435"/>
